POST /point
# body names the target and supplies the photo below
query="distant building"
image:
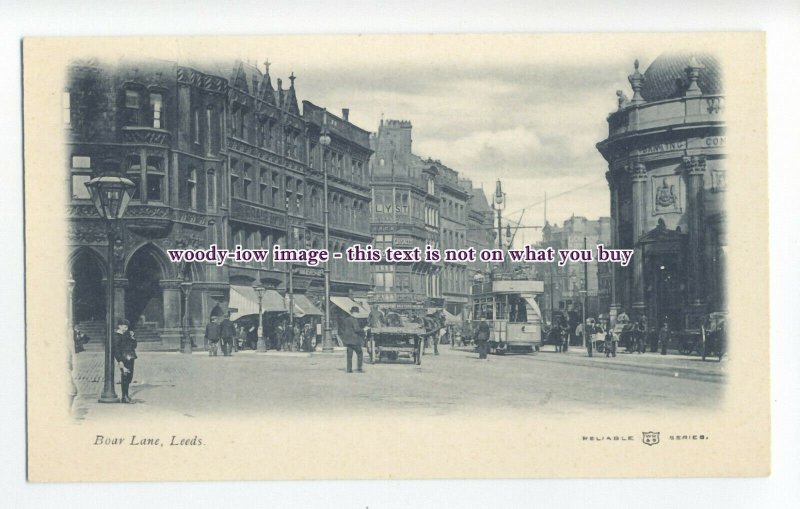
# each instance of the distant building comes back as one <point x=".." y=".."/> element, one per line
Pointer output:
<point x="563" y="284"/>
<point x="666" y="174"/>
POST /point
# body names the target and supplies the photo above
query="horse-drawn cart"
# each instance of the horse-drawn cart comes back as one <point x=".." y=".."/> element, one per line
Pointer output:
<point x="392" y="343"/>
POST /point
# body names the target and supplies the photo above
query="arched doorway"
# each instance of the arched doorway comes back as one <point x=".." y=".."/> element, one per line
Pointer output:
<point x="144" y="302"/>
<point x="89" y="291"/>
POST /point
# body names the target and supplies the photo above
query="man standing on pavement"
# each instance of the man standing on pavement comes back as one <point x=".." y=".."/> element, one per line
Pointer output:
<point x="351" y="334"/>
<point x="212" y="336"/>
<point x="227" y="331"/>
<point x="482" y="337"/>
<point x="663" y="336"/>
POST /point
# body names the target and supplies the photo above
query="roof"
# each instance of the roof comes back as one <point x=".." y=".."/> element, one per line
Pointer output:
<point x="665" y="78"/>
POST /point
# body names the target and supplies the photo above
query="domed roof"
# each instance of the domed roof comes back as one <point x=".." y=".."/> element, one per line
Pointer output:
<point x="666" y="76"/>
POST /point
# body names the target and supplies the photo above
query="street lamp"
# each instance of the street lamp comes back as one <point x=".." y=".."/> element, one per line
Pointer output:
<point x="186" y="289"/>
<point x="325" y="140"/>
<point x="262" y="342"/>
<point x="110" y="193"/>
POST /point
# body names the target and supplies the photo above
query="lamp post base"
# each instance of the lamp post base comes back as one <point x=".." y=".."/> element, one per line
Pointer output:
<point x="108" y="397"/>
<point x="262" y="345"/>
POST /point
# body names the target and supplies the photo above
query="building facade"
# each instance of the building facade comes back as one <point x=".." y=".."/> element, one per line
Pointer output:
<point x="219" y="156"/>
<point x="666" y="175"/>
<point x="562" y="285"/>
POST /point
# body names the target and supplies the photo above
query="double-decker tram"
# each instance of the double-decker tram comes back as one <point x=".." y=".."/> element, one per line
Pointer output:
<point x="510" y="308"/>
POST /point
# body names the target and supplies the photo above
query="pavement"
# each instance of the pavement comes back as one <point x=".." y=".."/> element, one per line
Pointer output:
<point x="454" y="381"/>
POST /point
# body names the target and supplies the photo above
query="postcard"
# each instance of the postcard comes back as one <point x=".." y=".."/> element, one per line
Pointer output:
<point x="396" y="257"/>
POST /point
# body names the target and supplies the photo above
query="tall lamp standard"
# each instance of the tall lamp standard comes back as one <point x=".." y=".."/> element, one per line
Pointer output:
<point x="262" y="341"/>
<point x="110" y="193"/>
<point x="325" y="141"/>
<point x="186" y="289"/>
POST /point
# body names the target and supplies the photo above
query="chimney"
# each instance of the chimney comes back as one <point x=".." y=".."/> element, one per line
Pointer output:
<point x="346" y="114"/>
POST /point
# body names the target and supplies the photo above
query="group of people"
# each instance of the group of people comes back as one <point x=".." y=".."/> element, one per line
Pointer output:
<point x="232" y="337"/>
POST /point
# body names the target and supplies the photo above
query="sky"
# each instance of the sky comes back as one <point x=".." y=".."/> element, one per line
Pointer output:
<point x="525" y="109"/>
<point x="532" y="125"/>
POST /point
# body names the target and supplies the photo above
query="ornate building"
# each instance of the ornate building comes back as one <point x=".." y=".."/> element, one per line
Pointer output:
<point x="666" y="174"/>
<point x="219" y="156"/>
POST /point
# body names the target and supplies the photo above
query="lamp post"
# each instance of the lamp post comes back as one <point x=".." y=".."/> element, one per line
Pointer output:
<point x="325" y="141"/>
<point x="110" y="194"/>
<point x="186" y="289"/>
<point x="584" y="294"/>
<point x="262" y="341"/>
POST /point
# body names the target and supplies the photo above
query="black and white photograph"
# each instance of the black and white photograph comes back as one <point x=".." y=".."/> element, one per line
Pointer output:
<point x="488" y="245"/>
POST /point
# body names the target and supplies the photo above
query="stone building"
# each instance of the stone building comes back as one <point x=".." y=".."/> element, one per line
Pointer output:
<point x="666" y="175"/>
<point x="219" y="156"/>
<point x="481" y="233"/>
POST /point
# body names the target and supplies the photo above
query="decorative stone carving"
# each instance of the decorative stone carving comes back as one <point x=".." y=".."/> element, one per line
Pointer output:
<point x="636" y="80"/>
<point x="638" y="172"/>
<point x="694" y="165"/>
<point x="693" y="74"/>
<point x="197" y="79"/>
<point x="145" y="136"/>
<point x="666" y="192"/>
<point x="622" y="100"/>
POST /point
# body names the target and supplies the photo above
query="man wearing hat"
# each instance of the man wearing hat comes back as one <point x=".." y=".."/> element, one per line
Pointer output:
<point x="352" y="333"/>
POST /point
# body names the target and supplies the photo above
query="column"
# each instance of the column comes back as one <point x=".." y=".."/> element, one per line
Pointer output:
<point x="612" y="187"/>
<point x="639" y="181"/>
<point x="70" y="293"/>
<point x="171" y="292"/>
<point x="694" y="168"/>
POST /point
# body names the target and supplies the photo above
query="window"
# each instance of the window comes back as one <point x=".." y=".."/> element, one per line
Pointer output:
<point x="155" y="179"/>
<point x="248" y="181"/>
<point x="383" y="277"/>
<point x="134" y="174"/>
<point x="156" y="103"/>
<point x="196" y="127"/>
<point x="192" y="188"/>
<point x="81" y="174"/>
<point x="66" y="109"/>
<point x="211" y="190"/>
<point x="209" y="112"/>
<point x="276" y="191"/>
<point x="263" y="190"/>
<point x="131" y="107"/>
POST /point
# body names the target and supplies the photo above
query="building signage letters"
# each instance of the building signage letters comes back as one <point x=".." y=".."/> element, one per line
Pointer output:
<point x="715" y="141"/>
<point x="663" y="147"/>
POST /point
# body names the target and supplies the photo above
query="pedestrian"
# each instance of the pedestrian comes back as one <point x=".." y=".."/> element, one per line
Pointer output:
<point x="280" y="335"/>
<point x="212" y="336"/>
<point x="641" y="334"/>
<point x="227" y="332"/>
<point x="125" y="355"/>
<point x="241" y="338"/>
<point x="352" y="334"/>
<point x="79" y="339"/>
<point x="252" y="336"/>
<point x="663" y="336"/>
<point x="611" y="343"/>
<point x="483" y="339"/>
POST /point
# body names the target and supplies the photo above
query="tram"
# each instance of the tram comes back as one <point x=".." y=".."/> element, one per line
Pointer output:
<point x="511" y="309"/>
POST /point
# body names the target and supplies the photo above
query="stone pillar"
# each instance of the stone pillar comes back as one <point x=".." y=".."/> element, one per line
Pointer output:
<point x="639" y="182"/>
<point x="694" y="168"/>
<point x="171" y="334"/>
<point x="612" y="187"/>
<point x="70" y="293"/>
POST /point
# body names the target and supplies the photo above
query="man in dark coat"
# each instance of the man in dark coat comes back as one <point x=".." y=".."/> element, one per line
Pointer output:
<point x="482" y="338"/>
<point x="125" y="355"/>
<point x="212" y="336"/>
<point x="351" y="333"/>
<point x="227" y="332"/>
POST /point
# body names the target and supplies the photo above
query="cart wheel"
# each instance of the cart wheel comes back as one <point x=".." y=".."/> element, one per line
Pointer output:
<point x="418" y="353"/>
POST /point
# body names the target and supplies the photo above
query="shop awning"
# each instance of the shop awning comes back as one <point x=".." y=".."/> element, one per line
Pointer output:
<point x="346" y="303"/>
<point x="303" y="306"/>
<point x="244" y="301"/>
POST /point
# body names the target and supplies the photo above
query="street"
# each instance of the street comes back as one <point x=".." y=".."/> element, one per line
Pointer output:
<point x="454" y="381"/>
